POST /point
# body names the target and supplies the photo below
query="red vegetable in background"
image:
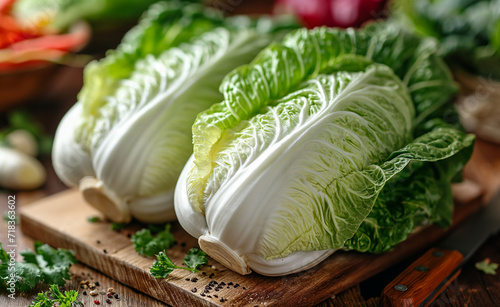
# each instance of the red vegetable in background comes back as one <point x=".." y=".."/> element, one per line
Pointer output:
<point x="27" y="46"/>
<point x="332" y="13"/>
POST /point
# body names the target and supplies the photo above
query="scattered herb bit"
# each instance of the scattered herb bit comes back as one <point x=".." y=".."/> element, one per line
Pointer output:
<point x="117" y="226"/>
<point x="163" y="266"/>
<point x="10" y="217"/>
<point x="487" y="266"/>
<point x="195" y="258"/>
<point x="156" y="228"/>
<point x="148" y="245"/>
<point x="44" y="265"/>
<point x="55" y="297"/>
<point x="93" y="219"/>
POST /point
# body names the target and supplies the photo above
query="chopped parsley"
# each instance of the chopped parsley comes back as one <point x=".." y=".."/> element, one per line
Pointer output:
<point x="54" y="297"/>
<point x="163" y="266"/>
<point x="43" y="266"/>
<point x="487" y="266"/>
<point x="93" y="219"/>
<point x="117" y="226"/>
<point x="148" y="245"/>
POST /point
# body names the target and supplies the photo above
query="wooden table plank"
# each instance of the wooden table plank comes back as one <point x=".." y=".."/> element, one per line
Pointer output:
<point x="112" y="253"/>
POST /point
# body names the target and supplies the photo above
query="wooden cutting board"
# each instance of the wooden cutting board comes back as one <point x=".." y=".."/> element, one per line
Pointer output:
<point x="61" y="221"/>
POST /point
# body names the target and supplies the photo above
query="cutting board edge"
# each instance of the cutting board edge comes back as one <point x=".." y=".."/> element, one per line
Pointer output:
<point x="85" y="255"/>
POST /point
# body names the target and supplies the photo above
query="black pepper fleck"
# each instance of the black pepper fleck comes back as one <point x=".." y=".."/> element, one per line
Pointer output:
<point x="194" y="279"/>
<point x="230" y="283"/>
<point x="194" y="290"/>
<point x="221" y="300"/>
<point x="187" y="279"/>
<point x="183" y="244"/>
<point x="215" y="295"/>
<point x="97" y="283"/>
<point x="209" y="296"/>
<point x="203" y="294"/>
<point x="108" y="301"/>
<point x="204" y="273"/>
<point x="98" y="242"/>
<point x="244" y="288"/>
<point x="222" y="284"/>
<point x="104" y="251"/>
<point x="116" y="295"/>
<point x="84" y="292"/>
<point x="236" y="285"/>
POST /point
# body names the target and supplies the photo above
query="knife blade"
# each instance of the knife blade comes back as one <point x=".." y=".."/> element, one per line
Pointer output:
<point x="423" y="281"/>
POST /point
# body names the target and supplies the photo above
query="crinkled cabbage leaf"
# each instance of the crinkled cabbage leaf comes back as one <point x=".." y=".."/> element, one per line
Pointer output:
<point x="318" y="141"/>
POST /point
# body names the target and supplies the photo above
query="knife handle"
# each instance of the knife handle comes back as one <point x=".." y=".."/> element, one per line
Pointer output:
<point x="421" y="282"/>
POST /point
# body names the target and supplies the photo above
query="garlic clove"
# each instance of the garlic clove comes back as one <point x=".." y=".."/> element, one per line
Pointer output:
<point x="23" y="141"/>
<point x="20" y="171"/>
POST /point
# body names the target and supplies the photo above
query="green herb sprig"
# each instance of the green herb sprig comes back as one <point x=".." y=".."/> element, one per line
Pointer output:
<point x="148" y="245"/>
<point x="43" y="266"/>
<point x="193" y="260"/>
<point x="53" y="296"/>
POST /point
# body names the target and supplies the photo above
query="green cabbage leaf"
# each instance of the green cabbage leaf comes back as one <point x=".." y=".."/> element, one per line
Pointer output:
<point x="469" y="31"/>
<point x="317" y="143"/>
<point x="132" y="123"/>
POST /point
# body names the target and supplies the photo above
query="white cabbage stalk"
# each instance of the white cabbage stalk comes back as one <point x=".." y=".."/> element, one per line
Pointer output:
<point x="275" y="170"/>
<point x="126" y="154"/>
<point x="289" y="166"/>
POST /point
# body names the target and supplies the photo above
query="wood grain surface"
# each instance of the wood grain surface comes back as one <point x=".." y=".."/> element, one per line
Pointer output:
<point x="61" y="221"/>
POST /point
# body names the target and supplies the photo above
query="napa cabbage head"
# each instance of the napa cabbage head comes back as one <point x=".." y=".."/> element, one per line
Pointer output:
<point x="289" y="166"/>
<point x="125" y="141"/>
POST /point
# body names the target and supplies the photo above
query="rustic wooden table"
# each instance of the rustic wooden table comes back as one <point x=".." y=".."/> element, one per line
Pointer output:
<point x="472" y="288"/>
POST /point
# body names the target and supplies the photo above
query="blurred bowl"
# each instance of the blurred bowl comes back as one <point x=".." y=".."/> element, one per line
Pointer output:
<point x="478" y="105"/>
<point x="26" y="67"/>
<point x="19" y="86"/>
